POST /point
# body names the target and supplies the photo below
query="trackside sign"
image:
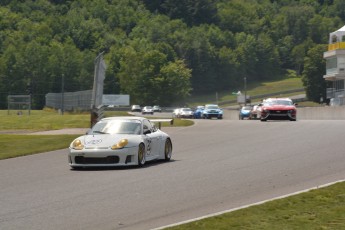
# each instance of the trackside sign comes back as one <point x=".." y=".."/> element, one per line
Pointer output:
<point x="113" y="99"/>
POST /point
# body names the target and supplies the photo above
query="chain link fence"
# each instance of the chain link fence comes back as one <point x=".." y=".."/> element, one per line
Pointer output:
<point x="69" y="101"/>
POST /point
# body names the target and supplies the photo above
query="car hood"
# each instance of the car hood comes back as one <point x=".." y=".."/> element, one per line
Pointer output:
<point x="107" y="140"/>
<point x="212" y="111"/>
<point x="279" y="107"/>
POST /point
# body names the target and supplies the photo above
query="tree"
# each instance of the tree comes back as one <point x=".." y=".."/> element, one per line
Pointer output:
<point x="218" y="41"/>
<point x="314" y="69"/>
<point x="192" y="12"/>
<point x="149" y="78"/>
<point x="173" y="83"/>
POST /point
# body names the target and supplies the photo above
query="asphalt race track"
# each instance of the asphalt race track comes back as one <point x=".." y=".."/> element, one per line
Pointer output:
<point x="216" y="165"/>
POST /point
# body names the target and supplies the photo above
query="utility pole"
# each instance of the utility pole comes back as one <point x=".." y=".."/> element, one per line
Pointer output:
<point x="245" y="91"/>
<point x="62" y="93"/>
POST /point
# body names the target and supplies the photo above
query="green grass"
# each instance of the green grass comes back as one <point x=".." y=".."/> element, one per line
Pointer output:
<point x="21" y="145"/>
<point x="308" y="104"/>
<point x="322" y="209"/>
<point x="42" y="120"/>
<point x="253" y="89"/>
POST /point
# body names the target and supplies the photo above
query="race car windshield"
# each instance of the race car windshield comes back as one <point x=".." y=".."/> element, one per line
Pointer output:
<point x="212" y="107"/>
<point x="280" y="102"/>
<point x="117" y="127"/>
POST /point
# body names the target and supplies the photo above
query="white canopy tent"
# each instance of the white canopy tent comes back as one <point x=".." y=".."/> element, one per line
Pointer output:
<point x="337" y="36"/>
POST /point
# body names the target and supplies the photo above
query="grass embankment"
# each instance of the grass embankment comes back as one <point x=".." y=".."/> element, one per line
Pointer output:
<point x="21" y="145"/>
<point x="253" y="89"/>
<point x="39" y="120"/>
<point x="322" y="209"/>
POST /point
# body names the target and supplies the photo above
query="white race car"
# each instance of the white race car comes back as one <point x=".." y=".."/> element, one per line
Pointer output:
<point x="120" y="141"/>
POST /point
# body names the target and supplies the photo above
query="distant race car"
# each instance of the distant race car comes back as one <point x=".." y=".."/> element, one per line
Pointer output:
<point x="245" y="112"/>
<point x="278" y="109"/>
<point x="176" y="112"/>
<point x="198" y="112"/>
<point x="255" y="113"/>
<point x="136" y="108"/>
<point x="120" y="141"/>
<point x="186" y="113"/>
<point x="157" y="108"/>
<point x="147" y="110"/>
<point x="211" y="111"/>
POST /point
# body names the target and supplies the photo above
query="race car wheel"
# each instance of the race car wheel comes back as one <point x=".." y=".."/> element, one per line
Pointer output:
<point x="141" y="155"/>
<point x="168" y="150"/>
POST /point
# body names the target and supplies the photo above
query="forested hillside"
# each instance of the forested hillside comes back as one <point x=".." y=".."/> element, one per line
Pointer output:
<point x="158" y="51"/>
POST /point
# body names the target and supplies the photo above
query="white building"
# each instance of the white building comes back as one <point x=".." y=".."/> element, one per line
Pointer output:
<point x="335" y="66"/>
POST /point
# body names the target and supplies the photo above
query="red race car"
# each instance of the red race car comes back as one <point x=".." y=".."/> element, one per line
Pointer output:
<point x="278" y="109"/>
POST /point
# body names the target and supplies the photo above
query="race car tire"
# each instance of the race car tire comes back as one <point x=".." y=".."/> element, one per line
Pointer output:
<point x="167" y="150"/>
<point x="141" y="155"/>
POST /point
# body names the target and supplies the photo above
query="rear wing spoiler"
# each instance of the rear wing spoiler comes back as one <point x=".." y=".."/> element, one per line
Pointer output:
<point x="160" y="121"/>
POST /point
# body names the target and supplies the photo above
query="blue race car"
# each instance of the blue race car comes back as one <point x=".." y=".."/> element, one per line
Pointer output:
<point x="198" y="112"/>
<point x="211" y="111"/>
<point x="245" y="112"/>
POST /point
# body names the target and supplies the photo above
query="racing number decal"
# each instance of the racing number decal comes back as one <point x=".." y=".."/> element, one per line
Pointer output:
<point x="148" y="149"/>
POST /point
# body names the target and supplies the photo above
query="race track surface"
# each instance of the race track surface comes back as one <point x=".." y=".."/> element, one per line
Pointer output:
<point x="216" y="165"/>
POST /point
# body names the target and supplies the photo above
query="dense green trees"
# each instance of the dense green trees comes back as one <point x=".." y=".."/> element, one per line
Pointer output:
<point x="314" y="69"/>
<point x="161" y="51"/>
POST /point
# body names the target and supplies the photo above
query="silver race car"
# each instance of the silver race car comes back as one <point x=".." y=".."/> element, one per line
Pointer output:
<point x="120" y="141"/>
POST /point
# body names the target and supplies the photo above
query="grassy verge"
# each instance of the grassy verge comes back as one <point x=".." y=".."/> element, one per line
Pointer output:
<point x="21" y="145"/>
<point x="253" y="89"/>
<point x="322" y="209"/>
<point x="42" y="120"/>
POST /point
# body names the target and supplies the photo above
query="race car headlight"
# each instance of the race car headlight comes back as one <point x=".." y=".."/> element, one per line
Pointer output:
<point x="77" y="145"/>
<point x="120" y="144"/>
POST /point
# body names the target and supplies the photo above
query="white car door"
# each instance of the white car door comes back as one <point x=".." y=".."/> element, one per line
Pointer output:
<point x="153" y="139"/>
